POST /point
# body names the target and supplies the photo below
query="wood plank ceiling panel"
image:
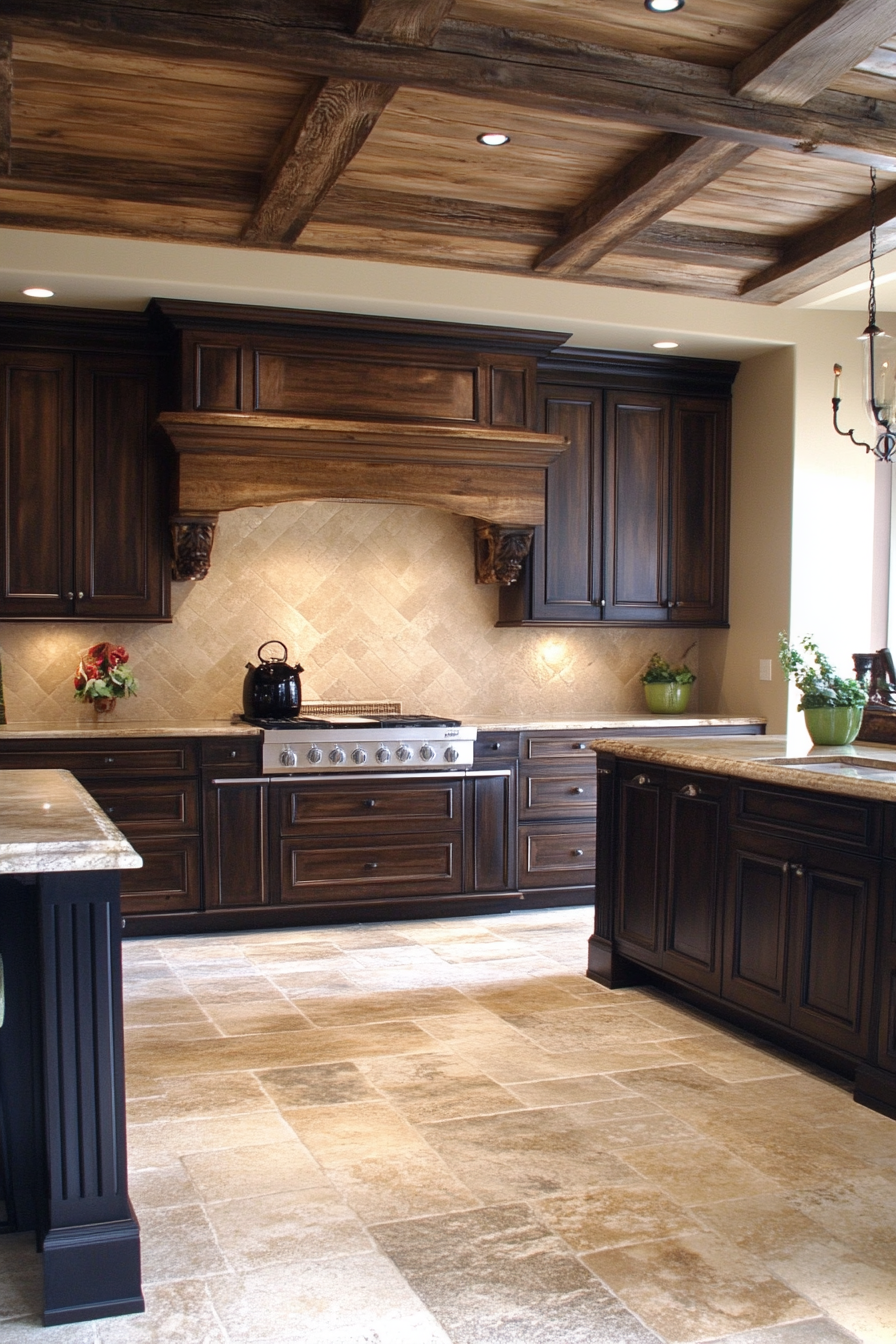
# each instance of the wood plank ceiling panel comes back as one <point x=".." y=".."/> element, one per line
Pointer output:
<point x="426" y="142"/>
<point x="713" y="32"/>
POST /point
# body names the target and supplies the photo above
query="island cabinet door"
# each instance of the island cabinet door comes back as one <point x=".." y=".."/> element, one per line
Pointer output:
<point x="886" y="972"/>
<point x="757" y="908"/>
<point x="640" y="874"/>
<point x="834" y="914"/>
<point x="697" y="810"/>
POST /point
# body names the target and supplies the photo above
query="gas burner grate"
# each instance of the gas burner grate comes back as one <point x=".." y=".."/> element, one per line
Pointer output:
<point x="354" y="707"/>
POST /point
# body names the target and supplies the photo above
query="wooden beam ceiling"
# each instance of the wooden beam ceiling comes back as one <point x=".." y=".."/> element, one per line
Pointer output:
<point x="5" y="104"/>
<point x="518" y="69"/>
<point x="660" y="178"/>
<point x="400" y="21"/>
<point x="823" y="42"/>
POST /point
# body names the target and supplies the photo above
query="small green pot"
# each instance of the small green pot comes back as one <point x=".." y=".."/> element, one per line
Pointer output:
<point x="667" y="697"/>
<point x="834" y="727"/>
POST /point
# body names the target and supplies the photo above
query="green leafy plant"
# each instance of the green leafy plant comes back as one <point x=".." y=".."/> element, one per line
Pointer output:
<point x="659" y="670"/>
<point x="101" y="674"/>
<point x="815" y="678"/>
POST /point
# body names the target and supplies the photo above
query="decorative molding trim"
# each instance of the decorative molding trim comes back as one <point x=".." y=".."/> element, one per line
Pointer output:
<point x="193" y="539"/>
<point x="500" y="552"/>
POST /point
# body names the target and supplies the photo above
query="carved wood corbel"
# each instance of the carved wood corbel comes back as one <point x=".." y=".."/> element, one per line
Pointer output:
<point x="192" y="539"/>
<point x="500" y="552"/>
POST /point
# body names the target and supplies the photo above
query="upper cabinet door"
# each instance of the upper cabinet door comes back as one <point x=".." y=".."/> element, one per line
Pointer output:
<point x="699" y="578"/>
<point x="566" y="552"/>
<point x="119" y="545"/>
<point x="36" y="485"/>
<point x="636" y="527"/>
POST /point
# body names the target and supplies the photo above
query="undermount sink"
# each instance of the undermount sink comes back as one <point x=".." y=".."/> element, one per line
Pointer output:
<point x="845" y="767"/>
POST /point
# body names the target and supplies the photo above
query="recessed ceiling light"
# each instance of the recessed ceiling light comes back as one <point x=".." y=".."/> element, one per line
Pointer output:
<point x="493" y="138"/>
<point x="663" y="6"/>
<point x="665" y="345"/>
<point x="37" y="293"/>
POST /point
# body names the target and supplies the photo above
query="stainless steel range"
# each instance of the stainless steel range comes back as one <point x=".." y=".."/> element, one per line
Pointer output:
<point x="364" y="743"/>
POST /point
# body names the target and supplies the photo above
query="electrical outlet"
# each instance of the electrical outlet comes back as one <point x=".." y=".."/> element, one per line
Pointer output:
<point x="765" y="669"/>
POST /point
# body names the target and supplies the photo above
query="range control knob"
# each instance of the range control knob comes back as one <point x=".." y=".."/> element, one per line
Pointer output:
<point x="384" y="755"/>
<point x="404" y="753"/>
<point x="451" y="755"/>
<point x="315" y="756"/>
<point x="359" y="756"/>
<point x="427" y="753"/>
<point x="337" y="756"/>
<point x="288" y="757"/>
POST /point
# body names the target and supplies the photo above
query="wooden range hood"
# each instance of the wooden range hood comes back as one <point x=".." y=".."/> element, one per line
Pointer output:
<point x="279" y="405"/>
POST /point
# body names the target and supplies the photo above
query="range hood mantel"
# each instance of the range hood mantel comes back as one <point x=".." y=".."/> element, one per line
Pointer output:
<point x="233" y="460"/>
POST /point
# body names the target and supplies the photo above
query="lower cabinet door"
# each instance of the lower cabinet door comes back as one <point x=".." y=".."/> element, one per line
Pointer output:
<point x="168" y="880"/>
<point x="235" y="821"/>
<point x="489" y="854"/>
<point x="886" y="971"/>
<point x="697" y="809"/>
<point x="757" y="911"/>
<point x="345" y="869"/>
<point x="834" y="899"/>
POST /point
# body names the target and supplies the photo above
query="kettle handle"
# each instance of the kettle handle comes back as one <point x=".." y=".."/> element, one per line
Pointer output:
<point x="267" y="646"/>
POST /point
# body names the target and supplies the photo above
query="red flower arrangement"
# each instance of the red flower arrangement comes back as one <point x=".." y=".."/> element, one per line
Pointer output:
<point x="102" y="676"/>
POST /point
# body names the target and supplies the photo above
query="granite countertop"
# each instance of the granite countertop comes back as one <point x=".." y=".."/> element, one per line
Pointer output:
<point x="104" y="726"/>
<point x="615" y="722"/>
<point x="50" y="824"/>
<point x="761" y="758"/>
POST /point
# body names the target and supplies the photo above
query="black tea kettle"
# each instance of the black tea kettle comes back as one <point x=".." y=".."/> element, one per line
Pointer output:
<point x="274" y="689"/>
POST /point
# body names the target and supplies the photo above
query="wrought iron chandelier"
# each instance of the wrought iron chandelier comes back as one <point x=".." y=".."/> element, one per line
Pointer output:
<point x="880" y="366"/>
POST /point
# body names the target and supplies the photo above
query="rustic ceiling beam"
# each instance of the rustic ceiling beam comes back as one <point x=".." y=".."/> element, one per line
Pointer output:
<point x="823" y="253"/>
<point x="400" y="21"/>
<point x="659" y="179"/>
<point x="697" y="245"/>
<point x="515" y="69"/>
<point x="325" y="135"/>
<point x="822" y="43"/>
<point x="5" y="104"/>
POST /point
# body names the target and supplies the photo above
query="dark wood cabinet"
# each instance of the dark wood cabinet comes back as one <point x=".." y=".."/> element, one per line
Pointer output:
<point x="557" y="804"/>
<point x="697" y="815"/>
<point x="636" y="528"/>
<point x="237" y="868"/>
<point x="83" y="506"/>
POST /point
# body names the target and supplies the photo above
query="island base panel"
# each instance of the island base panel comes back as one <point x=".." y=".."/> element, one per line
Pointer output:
<point x="80" y="1266"/>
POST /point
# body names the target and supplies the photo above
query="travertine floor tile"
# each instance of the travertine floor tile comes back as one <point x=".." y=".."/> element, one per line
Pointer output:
<point x="697" y="1171"/>
<point x="414" y="1185"/>
<point x="816" y="1331"/>
<point x="241" y="1019"/>
<point x="596" y="1220"/>
<point x="309" y="1223"/>
<point x="437" y="1086"/>
<point x="691" y="1287"/>
<point x="176" y="1313"/>
<point x="178" y="1243"/>
<point x="161" y="1187"/>
<point x="161" y="1143"/>
<point x="21" y="1284"/>
<point x="210" y="1094"/>
<point x="569" y="1091"/>
<point x="337" y="1136"/>
<point x="317" y="1085"/>
<point x="256" y="1170"/>
<point x="367" y="1008"/>
<point x="590" y="1026"/>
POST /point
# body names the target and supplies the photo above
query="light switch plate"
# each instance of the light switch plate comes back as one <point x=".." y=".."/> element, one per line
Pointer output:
<point x="765" y="669"/>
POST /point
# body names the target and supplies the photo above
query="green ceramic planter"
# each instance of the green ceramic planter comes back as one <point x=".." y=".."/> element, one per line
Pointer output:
<point x="834" y="727"/>
<point x="667" y="697"/>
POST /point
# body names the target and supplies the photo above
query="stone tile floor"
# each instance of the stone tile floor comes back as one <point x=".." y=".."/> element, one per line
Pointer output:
<point x="441" y="1131"/>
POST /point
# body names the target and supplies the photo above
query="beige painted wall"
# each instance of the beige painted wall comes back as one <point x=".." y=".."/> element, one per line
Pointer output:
<point x="375" y="601"/>
<point x="761" y="511"/>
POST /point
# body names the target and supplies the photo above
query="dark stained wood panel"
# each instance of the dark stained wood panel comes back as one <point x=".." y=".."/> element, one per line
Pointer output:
<point x="639" y="900"/>
<point x="699" y="481"/>
<point x="568" y="577"/>
<point x="345" y="871"/>
<point x="351" y="387"/>
<point x="637" y="524"/>
<point x="756" y="922"/>
<point x="218" y="378"/>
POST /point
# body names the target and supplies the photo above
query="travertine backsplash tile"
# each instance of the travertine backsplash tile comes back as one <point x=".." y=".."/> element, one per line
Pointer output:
<point x="375" y="600"/>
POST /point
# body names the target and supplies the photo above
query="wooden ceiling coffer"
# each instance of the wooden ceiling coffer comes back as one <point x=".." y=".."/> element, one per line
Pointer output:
<point x="277" y="406"/>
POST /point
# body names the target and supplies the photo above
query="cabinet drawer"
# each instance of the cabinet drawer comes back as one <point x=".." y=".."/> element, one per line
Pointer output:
<point x="232" y="751"/>
<point x="105" y="760"/>
<point x="564" y="747"/>
<point x="557" y="856"/>
<point x="496" y="746"/>
<point x="161" y="809"/>
<point x="168" y="880"/>
<point x="412" y="805"/>
<point x="348" y="871"/>
<point x="558" y="795"/>
<point x="843" y="821"/>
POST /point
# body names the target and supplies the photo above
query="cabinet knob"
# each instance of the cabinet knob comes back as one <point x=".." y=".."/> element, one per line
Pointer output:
<point x="579" y="746"/>
<point x="496" y="746"/>
<point x="108" y="760"/>
<point x="371" y="865"/>
<point x="109" y="810"/>
<point x="690" y="791"/>
<point x="80" y="595"/>
<point x="70" y="596"/>
<point x="670" y="603"/>
<point x="602" y="602"/>
<point x="370" y="802"/>
<point x="798" y="870"/>
<point x="577" y="853"/>
<point x="640" y="779"/>
<point x="233" y="755"/>
<point x="601" y="770"/>
<point x="578" y="789"/>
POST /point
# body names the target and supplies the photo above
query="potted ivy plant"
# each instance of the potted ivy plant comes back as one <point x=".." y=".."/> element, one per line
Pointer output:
<point x="667" y="686"/>
<point x="832" y="705"/>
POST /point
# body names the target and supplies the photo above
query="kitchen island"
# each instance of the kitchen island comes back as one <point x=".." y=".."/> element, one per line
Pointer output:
<point x="757" y="878"/>
<point x="64" y="1156"/>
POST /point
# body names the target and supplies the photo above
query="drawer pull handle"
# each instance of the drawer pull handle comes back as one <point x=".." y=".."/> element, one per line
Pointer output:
<point x="577" y="853"/>
<point x="798" y="870"/>
<point x="496" y="746"/>
<point x="108" y="760"/>
<point x="579" y="746"/>
<point x="640" y="779"/>
<point x="370" y="802"/>
<point x="371" y="866"/>
<point x="601" y="770"/>
<point x="690" y="791"/>
<point x="578" y="789"/>
<point x="109" y="810"/>
<point x="233" y="755"/>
